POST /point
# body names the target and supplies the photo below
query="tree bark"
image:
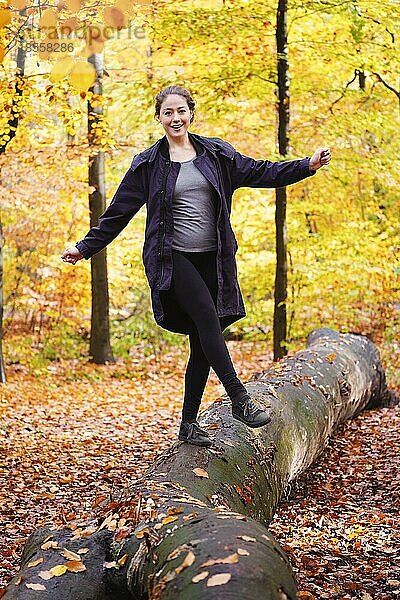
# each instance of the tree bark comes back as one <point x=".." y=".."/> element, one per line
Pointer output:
<point x="280" y="288"/>
<point x="179" y="522"/>
<point x="2" y="368"/>
<point x="100" y="346"/>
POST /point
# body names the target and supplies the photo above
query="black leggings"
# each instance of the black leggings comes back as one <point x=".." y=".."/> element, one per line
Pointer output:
<point x="194" y="281"/>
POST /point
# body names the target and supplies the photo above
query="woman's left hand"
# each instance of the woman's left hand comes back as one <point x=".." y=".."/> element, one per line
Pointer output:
<point x="320" y="158"/>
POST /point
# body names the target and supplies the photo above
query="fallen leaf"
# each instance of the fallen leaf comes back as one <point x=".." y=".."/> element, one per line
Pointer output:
<point x="170" y="519"/>
<point x="200" y="577"/>
<point x="242" y="552"/>
<point x="69" y="555"/>
<point x="247" y="538"/>
<point x="190" y="516"/>
<point x="49" y="544"/>
<point x="36" y="586"/>
<point x="140" y="534"/>
<point x="228" y="443"/>
<point x="219" y="579"/>
<point x="188" y="560"/>
<point x="228" y="560"/>
<point x="58" y="570"/>
<point x="121" y="561"/>
<point x="110" y="565"/>
<point x="35" y="563"/>
<point x="330" y="358"/>
<point x="83" y="550"/>
<point x="75" y="566"/>
<point x="45" y="575"/>
<point x="200" y="472"/>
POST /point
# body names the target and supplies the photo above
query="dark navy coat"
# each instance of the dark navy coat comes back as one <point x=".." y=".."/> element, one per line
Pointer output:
<point x="151" y="180"/>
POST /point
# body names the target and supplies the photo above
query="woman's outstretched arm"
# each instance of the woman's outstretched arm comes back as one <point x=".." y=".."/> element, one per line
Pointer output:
<point x="127" y="201"/>
<point x="248" y="172"/>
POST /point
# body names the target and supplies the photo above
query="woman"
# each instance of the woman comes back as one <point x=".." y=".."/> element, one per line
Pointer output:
<point x="187" y="181"/>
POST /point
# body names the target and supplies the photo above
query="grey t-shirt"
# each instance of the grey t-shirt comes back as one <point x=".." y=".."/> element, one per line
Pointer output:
<point x="193" y="211"/>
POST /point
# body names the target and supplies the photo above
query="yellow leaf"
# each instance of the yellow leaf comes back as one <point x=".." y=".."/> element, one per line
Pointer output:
<point x="35" y="563"/>
<point x="58" y="570"/>
<point x="2" y="53"/>
<point x="242" y="552"/>
<point x="48" y="19"/>
<point x="188" y="560"/>
<point x="200" y="577"/>
<point x="75" y="566"/>
<point x="5" y="17"/>
<point x="62" y="68"/>
<point x="45" y="575"/>
<point x="36" y="586"/>
<point x="246" y="538"/>
<point x="82" y="75"/>
<point x="113" y="17"/>
<point x="200" y="472"/>
<point x="219" y="579"/>
<point x="229" y="560"/>
<point x="330" y="358"/>
<point x="73" y="5"/>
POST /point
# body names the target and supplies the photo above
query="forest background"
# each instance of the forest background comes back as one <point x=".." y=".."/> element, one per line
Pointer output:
<point x="343" y="224"/>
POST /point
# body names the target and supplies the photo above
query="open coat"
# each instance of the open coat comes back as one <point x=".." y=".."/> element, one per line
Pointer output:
<point x="151" y="180"/>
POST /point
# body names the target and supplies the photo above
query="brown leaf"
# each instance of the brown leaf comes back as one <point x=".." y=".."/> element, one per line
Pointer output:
<point x="45" y="575"/>
<point x="200" y="577"/>
<point x="75" y="566"/>
<point x="36" y="586"/>
<point x="35" y="563"/>
<point x="219" y="579"/>
<point x="121" y="561"/>
<point x="247" y="538"/>
<point x="170" y="519"/>
<point x="188" y="560"/>
<point x="69" y="555"/>
<point x="228" y="560"/>
<point x="49" y="544"/>
<point x="200" y="472"/>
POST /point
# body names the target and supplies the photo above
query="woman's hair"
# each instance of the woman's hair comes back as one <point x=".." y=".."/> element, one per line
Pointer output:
<point x="179" y="91"/>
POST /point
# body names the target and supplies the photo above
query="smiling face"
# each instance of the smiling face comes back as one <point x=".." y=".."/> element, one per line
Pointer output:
<point x="175" y="116"/>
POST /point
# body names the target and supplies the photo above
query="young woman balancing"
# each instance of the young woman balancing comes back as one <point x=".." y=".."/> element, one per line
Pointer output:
<point x="187" y="181"/>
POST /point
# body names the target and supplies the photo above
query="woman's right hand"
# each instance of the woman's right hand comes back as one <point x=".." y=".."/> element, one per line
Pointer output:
<point x="72" y="255"/>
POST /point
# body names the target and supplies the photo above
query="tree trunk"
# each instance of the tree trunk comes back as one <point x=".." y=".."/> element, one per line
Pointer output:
<point x="2" y="369"/>
<point x="100" y="347"/>
<point x="13" y="125"/>
<point x="280" y="290"/>
<point x="199" y="510"/>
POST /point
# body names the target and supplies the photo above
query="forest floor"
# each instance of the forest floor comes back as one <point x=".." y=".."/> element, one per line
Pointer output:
<point x="80" y="432"/>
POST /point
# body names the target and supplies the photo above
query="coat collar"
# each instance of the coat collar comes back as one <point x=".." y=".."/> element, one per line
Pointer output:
<point x="200" y="142"/>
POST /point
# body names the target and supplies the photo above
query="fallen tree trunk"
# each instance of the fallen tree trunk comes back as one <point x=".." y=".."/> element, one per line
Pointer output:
<point x="195" y="525"/>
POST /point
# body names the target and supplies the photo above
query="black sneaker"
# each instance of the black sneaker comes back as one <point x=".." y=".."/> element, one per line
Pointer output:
<point x="193" y="434"/>
<point x="246" y="411"/>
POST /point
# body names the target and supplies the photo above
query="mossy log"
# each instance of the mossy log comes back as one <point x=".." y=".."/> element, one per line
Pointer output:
<point x="195" y="525"/>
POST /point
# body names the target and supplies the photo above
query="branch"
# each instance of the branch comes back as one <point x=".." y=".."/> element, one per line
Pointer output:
<point x="389" y="87"/>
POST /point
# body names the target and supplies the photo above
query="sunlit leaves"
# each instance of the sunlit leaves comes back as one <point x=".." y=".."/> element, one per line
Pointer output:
<point x="62" y="68"/>
<point x="82" y="75"/>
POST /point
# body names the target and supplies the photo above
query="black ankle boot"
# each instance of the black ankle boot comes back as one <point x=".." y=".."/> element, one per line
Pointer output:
<point x="193" y="434"/>
<point x="246" y="411"/>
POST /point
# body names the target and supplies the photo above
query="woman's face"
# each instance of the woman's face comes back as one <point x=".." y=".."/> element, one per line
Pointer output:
<point x="175" y="116"/>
